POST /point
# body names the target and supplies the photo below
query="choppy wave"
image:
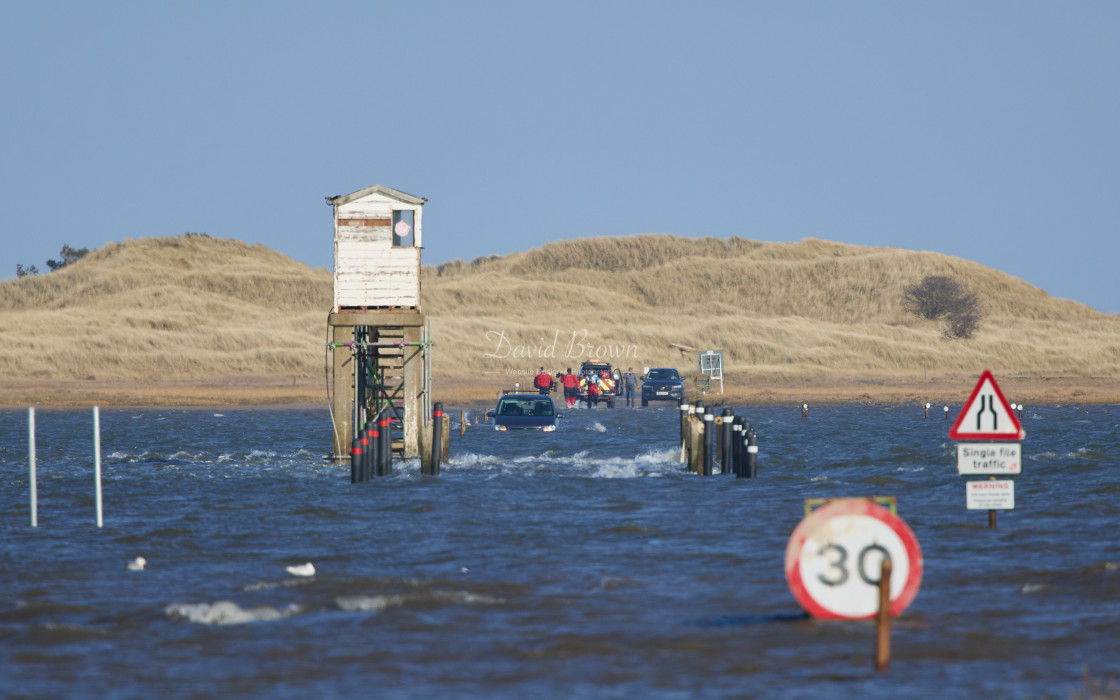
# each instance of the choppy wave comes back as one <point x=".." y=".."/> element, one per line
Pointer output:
<point x="575" y="582"/>
<point x="379" y="602"/>
<point x="583" y="463"/>
<point x="225" y="612"/>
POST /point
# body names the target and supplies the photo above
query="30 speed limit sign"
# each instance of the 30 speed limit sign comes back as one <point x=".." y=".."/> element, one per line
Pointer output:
<point x="835" y="555"/>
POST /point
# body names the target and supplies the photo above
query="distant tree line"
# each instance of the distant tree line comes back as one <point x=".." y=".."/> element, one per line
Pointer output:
<point x="938" y="297"/>
<point x="69" y="255"/>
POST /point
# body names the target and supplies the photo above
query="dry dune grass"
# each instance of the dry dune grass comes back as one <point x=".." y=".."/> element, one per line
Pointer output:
<point x="792" y="319"/>
<point x="165" y="309"/>
<point x="780" y="311"/>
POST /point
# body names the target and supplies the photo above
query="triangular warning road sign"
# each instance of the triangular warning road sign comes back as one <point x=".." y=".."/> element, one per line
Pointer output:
<point x="987" y="415"/>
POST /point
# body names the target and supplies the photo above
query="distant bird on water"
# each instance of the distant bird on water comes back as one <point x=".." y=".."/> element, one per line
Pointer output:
<point x="307" y="569"/>
<point x="137" y="564"/>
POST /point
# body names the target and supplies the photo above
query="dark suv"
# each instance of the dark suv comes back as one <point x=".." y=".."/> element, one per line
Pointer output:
<point x="662" y="384"/>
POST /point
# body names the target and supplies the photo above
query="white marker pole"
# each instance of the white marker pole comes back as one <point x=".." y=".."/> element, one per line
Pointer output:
<point x="31" y="458"/>
<point x="97" y="461"/>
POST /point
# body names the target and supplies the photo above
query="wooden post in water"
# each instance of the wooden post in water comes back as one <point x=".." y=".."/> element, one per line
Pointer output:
<point x="445" y="439"/>
<point x="695" y="443"/>
<point x="426" y="452"/>
<point x="883" y="619"/>
<point x="717" y="431"/>
<point x="462" y="422"/>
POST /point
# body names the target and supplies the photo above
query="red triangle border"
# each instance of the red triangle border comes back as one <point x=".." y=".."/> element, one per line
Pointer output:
<point x="955" y="433"/>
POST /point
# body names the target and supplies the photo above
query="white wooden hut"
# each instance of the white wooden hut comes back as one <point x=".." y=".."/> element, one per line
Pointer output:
<point x="377" y="244"/>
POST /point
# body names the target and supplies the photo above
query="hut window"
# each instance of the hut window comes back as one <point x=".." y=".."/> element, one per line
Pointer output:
<point x="404" y="232"/>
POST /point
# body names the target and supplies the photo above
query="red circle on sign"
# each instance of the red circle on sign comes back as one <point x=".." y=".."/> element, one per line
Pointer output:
<point x="829" y="581"/>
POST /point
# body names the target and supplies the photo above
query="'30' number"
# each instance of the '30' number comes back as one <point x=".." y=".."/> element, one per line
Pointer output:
<point x="838" y="570"/>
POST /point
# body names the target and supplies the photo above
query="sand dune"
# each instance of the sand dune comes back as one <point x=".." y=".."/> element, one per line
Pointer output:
<point x="193" y="319"/>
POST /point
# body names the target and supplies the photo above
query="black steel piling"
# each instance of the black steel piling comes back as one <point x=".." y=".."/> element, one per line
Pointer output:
<point x="437" y="437"/>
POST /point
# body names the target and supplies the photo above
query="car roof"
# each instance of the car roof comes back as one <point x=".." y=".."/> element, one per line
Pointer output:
<point x="525" y="397"/>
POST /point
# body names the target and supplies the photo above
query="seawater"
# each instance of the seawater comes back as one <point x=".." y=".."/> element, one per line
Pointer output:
<point x="583" y="563"/>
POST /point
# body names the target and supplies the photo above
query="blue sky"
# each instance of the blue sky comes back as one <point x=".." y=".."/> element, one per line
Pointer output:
<point x="984" y="130"/>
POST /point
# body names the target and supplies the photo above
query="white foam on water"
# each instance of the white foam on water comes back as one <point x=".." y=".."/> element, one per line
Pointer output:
<point x="597" y="427"/>
<point x="466" y="598"/>
<point x="225" y="612"/>
<point x="653" y="463"/>
<point x="617" y="471"/>
<point x="377" y="603"/>
<point x="368" y="603"/>
<point x="470" y="459"/>
<point x="1029" y="588"/>
<point x="263" y="585"/>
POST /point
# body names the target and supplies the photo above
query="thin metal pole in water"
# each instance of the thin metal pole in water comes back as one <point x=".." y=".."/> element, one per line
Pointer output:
<point x="97" y="461"/>
<point x="31" y="459"/>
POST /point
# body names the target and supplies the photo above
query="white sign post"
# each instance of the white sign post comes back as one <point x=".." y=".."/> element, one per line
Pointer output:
<point x="987" y="416"/>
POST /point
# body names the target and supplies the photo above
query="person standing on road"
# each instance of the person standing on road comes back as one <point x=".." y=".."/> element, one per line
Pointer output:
<point x="571" y="387"/>
<point x="592" y="389"/>
<point x="543" y="382"/>
<point x="630" y="383"/>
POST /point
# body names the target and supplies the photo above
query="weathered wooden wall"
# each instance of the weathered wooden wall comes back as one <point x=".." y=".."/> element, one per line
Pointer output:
<point x="369" y="272"/>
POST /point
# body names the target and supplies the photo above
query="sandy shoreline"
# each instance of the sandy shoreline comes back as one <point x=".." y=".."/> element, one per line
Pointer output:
<point x="271" y="393"/>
